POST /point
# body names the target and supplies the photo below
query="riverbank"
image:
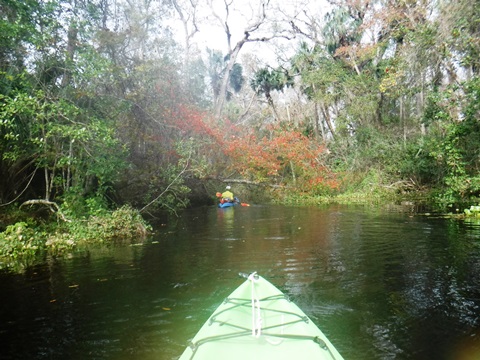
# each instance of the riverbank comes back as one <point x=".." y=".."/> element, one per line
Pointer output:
<point x="26" y="238"/>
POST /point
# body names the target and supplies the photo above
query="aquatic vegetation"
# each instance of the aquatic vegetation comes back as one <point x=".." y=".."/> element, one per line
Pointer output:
<point x="19" y="238"/>
<point x="22" y="243"/>
<point x="472" y="214"/>
<point x="473" y="211"/>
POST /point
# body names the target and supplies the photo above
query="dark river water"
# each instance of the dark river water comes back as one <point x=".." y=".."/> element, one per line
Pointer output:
<point x="380" y="283"/>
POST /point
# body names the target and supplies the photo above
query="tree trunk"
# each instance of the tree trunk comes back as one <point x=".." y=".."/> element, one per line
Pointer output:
<point x="326" y="115"/>
<point x="272" y="105"/>
<point x="226" y="78"/>
<point x="318" y="123"/>
<point x="294" y="178"/>
<point x="71" y="48"/>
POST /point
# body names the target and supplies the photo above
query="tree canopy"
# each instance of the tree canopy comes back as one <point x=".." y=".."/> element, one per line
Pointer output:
<point x="122" y="102"/>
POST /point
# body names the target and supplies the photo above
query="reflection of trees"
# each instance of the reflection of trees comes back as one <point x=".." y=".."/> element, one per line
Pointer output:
<point x="396" y="283"/>
<point x="387" y="286"/>
<point x="407" y="281"/>
<point x="226" y="223"/>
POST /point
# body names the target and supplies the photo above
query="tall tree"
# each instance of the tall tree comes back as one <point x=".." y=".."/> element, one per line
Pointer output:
<point x="266" y="80"/>
<point x="252" y="32"/>
<point x="188" y="13"/>
<point x="459" y="27"/>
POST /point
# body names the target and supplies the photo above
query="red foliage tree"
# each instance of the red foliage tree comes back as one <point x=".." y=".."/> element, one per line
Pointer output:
<point x="285" y="157"/>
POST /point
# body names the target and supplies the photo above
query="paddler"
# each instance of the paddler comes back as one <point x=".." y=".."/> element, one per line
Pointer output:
<point x="227" y="195"/>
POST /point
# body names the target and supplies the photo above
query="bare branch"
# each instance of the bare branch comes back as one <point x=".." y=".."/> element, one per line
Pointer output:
<point x="188" y="18"/>
<point x="258" y="19"/>
<point x="21" y="193"/>
<point x="52" y="206"/>
<point x="169" y="185"/>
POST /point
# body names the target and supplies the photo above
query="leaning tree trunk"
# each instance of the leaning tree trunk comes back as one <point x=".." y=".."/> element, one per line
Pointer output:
<point x="326" y="115"/>
<point x="223" y="88"/>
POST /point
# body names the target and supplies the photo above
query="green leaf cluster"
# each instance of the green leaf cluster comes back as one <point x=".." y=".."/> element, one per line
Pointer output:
<point x="24" y="243"/>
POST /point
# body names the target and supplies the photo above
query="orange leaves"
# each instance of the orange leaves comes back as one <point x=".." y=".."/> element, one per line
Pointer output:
<point x="279" y="155"/>
<point x="189" y="120"/>
<point x="251" y="157"/>
<point x="283" y="156"/>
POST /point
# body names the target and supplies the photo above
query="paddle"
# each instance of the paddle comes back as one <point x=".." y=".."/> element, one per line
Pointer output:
<point x="219" y="195"/>
<point x="241" y="203"/>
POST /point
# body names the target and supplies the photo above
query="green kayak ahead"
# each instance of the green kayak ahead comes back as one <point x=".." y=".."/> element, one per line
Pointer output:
<point x="258" y="321"/>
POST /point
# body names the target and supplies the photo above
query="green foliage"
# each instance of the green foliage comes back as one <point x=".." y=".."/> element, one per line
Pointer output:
<point x="22" y="243"/>
<point x="18" y="239"/>
<point x="89" y="114"/>
<point x="62" y="138"/>
<point x="168" y="189"/>
<point x="267" y="80"/>
<point x="75" y="205"/>
<point x="236" y="77"/>
<point x="454" y="144"/>
<point x="340" y="28"/>
<point x="123" y="224"/>
<point x="473" y="211"/>
<point x="461" y="31"/>
<point x="17" y="26"/>
<point x="418" y="165"/>
<point x="216" y="68"/>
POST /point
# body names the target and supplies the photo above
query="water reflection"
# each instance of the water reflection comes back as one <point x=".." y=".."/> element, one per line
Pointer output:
<point x="226" y="222"/>
<point x="380" y="284"/>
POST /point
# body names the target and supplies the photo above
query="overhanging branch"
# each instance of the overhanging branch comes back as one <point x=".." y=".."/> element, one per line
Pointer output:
<point x="53" y="207"/>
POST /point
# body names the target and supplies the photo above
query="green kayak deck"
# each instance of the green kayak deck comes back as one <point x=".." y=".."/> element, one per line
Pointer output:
<point x="257" y="321"/>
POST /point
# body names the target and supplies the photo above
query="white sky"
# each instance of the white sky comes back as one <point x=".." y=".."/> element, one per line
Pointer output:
<point x="242" y="12"/>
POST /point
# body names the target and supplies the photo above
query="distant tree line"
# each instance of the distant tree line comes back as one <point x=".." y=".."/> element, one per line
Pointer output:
<point x="101" y="105"/>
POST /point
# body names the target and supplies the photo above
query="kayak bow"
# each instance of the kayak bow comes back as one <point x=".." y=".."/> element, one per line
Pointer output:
<point x="257" y="321"/>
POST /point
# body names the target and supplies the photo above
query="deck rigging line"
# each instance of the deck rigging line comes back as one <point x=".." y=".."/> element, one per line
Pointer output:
<point x="257" y="330"/>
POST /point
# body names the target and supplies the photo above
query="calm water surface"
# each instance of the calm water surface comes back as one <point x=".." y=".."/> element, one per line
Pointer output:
<point x="381" y="284"/>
